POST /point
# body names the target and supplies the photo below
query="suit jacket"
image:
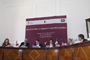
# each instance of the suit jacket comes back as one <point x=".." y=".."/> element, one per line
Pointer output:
<point x="49" y="45"/>
<point x="39" y="45"/>
<point x="27" y="44"/>
<point x="84" y="40"/>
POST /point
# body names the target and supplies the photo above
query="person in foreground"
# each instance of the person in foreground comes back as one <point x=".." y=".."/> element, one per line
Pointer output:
<point x="69" y="42"/>
<point x="6" y="43"/>
<point x="24" y="44"/>
<point x="81" y="38"/>
<point x="51" y="44"/>
<point x="38" y="44"/>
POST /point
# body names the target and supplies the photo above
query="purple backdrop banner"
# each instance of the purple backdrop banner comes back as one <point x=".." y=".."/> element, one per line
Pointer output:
<point x="47" y="30"/>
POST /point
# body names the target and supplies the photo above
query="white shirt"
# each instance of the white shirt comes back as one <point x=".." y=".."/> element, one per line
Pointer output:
<point x="51" y="45"/>
<point x="24" y="43"/>
<point x="81" y="41"/>
<point x="37" y="44"/>
<point x="70" y="43"/>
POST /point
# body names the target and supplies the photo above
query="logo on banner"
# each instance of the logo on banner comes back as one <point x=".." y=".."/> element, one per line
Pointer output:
<point x="45" y="21"/>
<point x="28" y="23"/>
<point x="62" y="20"/>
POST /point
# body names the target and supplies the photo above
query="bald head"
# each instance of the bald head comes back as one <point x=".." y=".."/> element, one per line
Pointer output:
<point x="25" y="40"/>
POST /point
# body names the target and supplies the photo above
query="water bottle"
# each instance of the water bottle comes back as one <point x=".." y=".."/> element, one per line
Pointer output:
<point x="62" y="43"/>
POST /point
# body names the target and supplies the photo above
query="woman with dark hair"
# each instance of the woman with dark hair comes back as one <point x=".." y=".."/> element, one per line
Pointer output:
<point x="81" y="38"/>
<point x="51" y="44"/>
<point x="6" y="43"/>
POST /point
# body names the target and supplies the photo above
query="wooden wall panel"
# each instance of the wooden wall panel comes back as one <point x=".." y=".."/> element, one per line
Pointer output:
<point x="68" y="53"/>
<point x="81" y="53"/>
<point x="52" y="54"/>
<point x="74" y="52"/>
<point x="1" y="51"/>
<point x="34" y="54"/>
<point x="12" y="54"/>
<point x="61" y="54"/>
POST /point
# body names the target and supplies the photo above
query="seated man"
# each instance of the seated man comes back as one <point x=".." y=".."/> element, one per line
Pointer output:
<point x="51" y="44"/>
<point x="38" y="44"/>
<point x="69" y="42"/>
<point x="81" y="38"/>
<point x="24" y="44"/>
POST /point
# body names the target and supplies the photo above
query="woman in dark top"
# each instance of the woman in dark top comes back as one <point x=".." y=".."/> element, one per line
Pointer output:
<point x="51" y="43"/>
<point x="6" y="43"/>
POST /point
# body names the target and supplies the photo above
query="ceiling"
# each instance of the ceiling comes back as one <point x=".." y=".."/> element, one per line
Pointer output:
<point x="9" y="1"/>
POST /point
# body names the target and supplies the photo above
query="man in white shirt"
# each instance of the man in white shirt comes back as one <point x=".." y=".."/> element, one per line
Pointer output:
<point x="38" y="44"/>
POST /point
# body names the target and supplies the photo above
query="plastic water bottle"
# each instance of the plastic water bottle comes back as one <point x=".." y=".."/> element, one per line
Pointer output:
<point x="62" y="43"/>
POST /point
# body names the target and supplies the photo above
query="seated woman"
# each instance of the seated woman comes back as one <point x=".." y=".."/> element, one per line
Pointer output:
<point x="51" y="44"/>
<point x="6" y="43"/>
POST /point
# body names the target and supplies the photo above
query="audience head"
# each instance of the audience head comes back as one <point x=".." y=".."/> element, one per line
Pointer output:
<point x="51" y="41"/>
<point x="37" y="41"/>
<point x="81" y="37"/>
<point x="6" y="40"/>
<point x="25" y="40"/>
<point x="69" y="41"/>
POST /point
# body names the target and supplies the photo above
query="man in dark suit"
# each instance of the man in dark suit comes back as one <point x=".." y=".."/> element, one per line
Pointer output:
<point x="38" y="44"/>
<point x="81" y="38"/>
<point x="24" y="44"/>
<point x="51" y="44"/>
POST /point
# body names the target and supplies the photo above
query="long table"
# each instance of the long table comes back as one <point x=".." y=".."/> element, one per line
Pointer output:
<point x="80" y="51"/>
